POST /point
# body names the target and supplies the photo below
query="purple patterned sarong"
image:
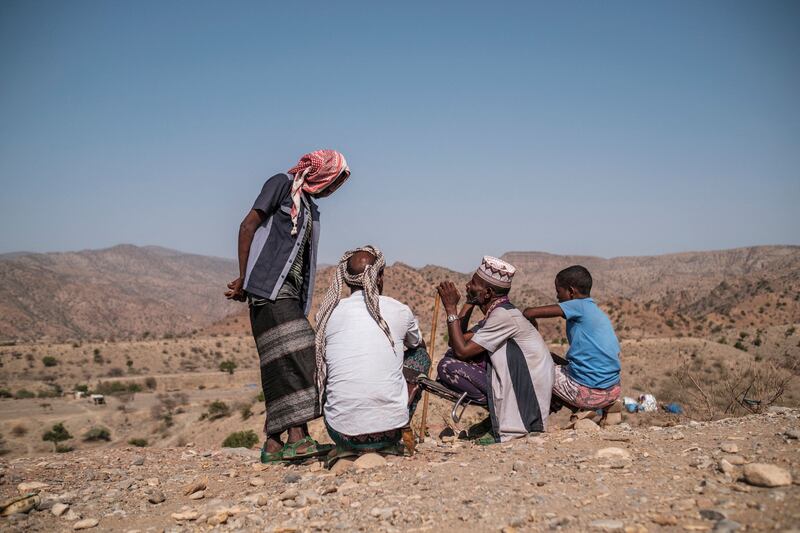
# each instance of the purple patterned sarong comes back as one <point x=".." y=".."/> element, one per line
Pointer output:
<point x="464" y="376"/>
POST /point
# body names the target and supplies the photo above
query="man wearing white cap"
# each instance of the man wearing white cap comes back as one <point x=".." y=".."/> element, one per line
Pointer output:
<point x="520" y="369"/>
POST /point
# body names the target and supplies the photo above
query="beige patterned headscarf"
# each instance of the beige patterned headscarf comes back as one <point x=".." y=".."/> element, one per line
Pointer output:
<point x="368" y="280"/>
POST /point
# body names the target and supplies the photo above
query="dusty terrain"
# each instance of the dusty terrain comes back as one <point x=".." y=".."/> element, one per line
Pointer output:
<point x="687" y="477"/>
<point x="716" y="332"/>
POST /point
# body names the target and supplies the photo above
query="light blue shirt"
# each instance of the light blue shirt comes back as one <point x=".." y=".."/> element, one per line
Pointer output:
<point x="593" y="356"/>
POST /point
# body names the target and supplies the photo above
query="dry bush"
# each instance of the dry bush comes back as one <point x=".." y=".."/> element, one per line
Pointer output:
<point x="743" y="390"/>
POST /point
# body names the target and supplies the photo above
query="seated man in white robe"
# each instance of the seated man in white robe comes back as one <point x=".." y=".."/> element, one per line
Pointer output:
<point x="366" y="344"/>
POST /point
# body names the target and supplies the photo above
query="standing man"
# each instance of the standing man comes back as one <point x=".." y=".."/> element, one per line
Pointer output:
<point x="277" y="262"/>
<point x="520" y="369"/>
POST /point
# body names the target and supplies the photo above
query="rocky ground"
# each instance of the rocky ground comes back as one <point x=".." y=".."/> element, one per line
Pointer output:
<point x="725" y="475"/>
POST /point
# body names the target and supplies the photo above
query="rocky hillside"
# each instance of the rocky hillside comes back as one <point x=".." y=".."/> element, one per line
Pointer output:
<point x="127" y="291"/>
<point x="113" y="293"/>
<point x="696" y="294"/>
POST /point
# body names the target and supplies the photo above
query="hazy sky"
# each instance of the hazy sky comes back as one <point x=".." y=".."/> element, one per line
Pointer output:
<point x="603" y="128"/>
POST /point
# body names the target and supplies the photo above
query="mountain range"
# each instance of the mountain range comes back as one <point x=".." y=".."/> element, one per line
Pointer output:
<point x="132" y="292"/>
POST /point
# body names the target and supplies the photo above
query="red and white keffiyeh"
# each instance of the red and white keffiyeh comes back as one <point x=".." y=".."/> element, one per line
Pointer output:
<point x="315" y="172"/>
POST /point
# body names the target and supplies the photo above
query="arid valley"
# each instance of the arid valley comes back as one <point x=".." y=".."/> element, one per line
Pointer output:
<point x="714" y="332"/>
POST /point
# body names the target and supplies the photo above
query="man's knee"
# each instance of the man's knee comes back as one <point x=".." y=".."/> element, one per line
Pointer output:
<point x="442" y="369"/>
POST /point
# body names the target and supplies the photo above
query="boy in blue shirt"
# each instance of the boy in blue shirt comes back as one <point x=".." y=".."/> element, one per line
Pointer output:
<point x="588" y="380"/>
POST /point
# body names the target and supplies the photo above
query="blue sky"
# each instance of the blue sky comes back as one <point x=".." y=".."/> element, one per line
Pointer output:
<point x="613" y="128"/>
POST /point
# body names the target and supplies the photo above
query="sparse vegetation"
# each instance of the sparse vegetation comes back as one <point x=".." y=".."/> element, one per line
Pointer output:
<point x="96" y="434"/>
<point x="138" y="442"/>
<point x="216" y="410"/>
<point x="19" y="430"/>
<point x="24" y="393"/>
<point x="736" y="391"/>
<point x="57" y="434"/>
<point x="49" y="361"/>
<point x="241" y="439"/>
<point x="228" y="366"/>
<point x="112" y="388"/>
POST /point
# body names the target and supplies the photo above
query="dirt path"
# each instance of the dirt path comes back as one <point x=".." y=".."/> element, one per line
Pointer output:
<point x="655" y="478"/>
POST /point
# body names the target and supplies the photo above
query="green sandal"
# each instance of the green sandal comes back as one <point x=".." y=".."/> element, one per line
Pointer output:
<point x="271" y="457"/>
<point x="486" y="439"/>
<point x="315" y="449"/>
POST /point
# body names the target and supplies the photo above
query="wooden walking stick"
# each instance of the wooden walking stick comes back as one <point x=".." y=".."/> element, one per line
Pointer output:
<point x="431" y="348"/>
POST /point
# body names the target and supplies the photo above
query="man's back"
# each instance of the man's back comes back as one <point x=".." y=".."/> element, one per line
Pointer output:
<point x="366" y="392"/>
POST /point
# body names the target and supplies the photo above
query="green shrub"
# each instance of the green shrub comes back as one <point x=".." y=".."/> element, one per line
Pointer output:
<point x="57" y="434"/>
<point x="150" y="383"/>
<point x="81" y="388"/>
<point x="49" y="360"/>
<point x="97" y="433"/>
<point x="5" y="393"/>
<point x="241" y="439"/>
<point x="217" y="410"/>
<point x="24" y="393"/>
<point x="246" y="412"/>
<point x="227" y="366"/>
<point x="140" y="443"/>
<point x="111" y="388"/>
<point x="63" y="448"/>
<point x="260" y="397"/>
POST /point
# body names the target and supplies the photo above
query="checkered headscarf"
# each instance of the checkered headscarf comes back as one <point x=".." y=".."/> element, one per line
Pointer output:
<point x="315" y="172"/>
<point x="367" y="280"/>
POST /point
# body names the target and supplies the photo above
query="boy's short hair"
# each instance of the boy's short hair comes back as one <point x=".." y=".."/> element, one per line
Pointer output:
<point x="575" y="276"/>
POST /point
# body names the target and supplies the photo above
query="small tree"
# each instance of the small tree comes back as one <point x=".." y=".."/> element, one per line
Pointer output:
<point x="227" y="366"/>
<point x="49" y="361"/>
<point x="58" y="433"/>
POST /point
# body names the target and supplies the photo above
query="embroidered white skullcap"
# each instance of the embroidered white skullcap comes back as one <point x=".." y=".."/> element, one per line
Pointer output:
<point x="496" y="271"/>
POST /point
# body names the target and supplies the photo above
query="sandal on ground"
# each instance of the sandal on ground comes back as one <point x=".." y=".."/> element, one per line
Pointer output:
<point x="314" y="449"/>
<point x="339" y="453"/>
<point x="479" y="429"/>
<point x="271" y="457"/>
<point x="487" y="439"/>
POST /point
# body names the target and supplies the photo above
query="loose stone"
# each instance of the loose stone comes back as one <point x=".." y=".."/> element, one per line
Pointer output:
<point x="86" y="523"/>
<point x="766" y="475"/>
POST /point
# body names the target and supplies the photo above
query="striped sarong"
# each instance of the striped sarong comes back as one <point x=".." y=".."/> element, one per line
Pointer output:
<point x="285" y="343"/>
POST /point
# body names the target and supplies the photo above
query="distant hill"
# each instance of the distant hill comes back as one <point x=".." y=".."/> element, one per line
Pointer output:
<point x="112" y="293"/>
<point x="126" y="291"/>
<point x="698" y="293"/>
